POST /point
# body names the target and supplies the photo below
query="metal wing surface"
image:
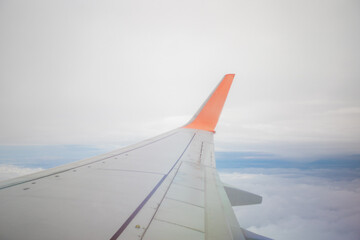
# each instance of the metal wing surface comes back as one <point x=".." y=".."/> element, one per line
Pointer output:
<point x="166" y="187"/>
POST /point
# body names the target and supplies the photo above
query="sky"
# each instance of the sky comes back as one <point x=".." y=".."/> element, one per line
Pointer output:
<point x="79" y="78"/>
<point x="116" y="72"/>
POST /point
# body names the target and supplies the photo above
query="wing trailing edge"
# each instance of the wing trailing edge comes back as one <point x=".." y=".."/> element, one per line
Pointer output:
<point x="239" y="197"/>
<point x="253" y="236"/>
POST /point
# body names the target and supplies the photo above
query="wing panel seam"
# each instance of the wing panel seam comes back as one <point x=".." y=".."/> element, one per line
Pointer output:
<point x="160" y="220"/>
<point x="132" y="216"/>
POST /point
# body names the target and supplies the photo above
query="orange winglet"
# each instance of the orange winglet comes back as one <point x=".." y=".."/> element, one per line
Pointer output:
<point x="208" y="115"/>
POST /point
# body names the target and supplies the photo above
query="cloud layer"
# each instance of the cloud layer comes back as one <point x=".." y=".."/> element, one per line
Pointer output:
<point x="300" y="204"/>
<point x="297" y="204"/>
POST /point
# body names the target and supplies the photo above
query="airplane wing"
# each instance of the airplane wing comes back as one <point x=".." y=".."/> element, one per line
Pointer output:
<point x="166" y="187"/>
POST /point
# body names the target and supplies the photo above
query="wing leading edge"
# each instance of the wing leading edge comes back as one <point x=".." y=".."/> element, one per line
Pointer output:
<point x="166" y="187"/>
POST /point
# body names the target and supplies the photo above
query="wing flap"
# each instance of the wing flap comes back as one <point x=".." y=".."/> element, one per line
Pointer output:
<point x="239" y="197"/>
<point x="253" y="236"/>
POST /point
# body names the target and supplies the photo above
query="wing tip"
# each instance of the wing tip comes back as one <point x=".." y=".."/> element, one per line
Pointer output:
<point x="232" y="75"/>
<point x="208" y="115"/>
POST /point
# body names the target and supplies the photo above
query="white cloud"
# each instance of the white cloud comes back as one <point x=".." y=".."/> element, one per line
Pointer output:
<point x="11" y="171"/>
<point x="299" y="204"/>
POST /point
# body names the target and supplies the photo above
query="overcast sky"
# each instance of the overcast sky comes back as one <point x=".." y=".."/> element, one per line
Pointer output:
<point x="115" y="72"/>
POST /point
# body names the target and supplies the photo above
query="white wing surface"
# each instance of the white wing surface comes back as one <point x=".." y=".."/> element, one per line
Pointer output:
<point x="166" y="187"/>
